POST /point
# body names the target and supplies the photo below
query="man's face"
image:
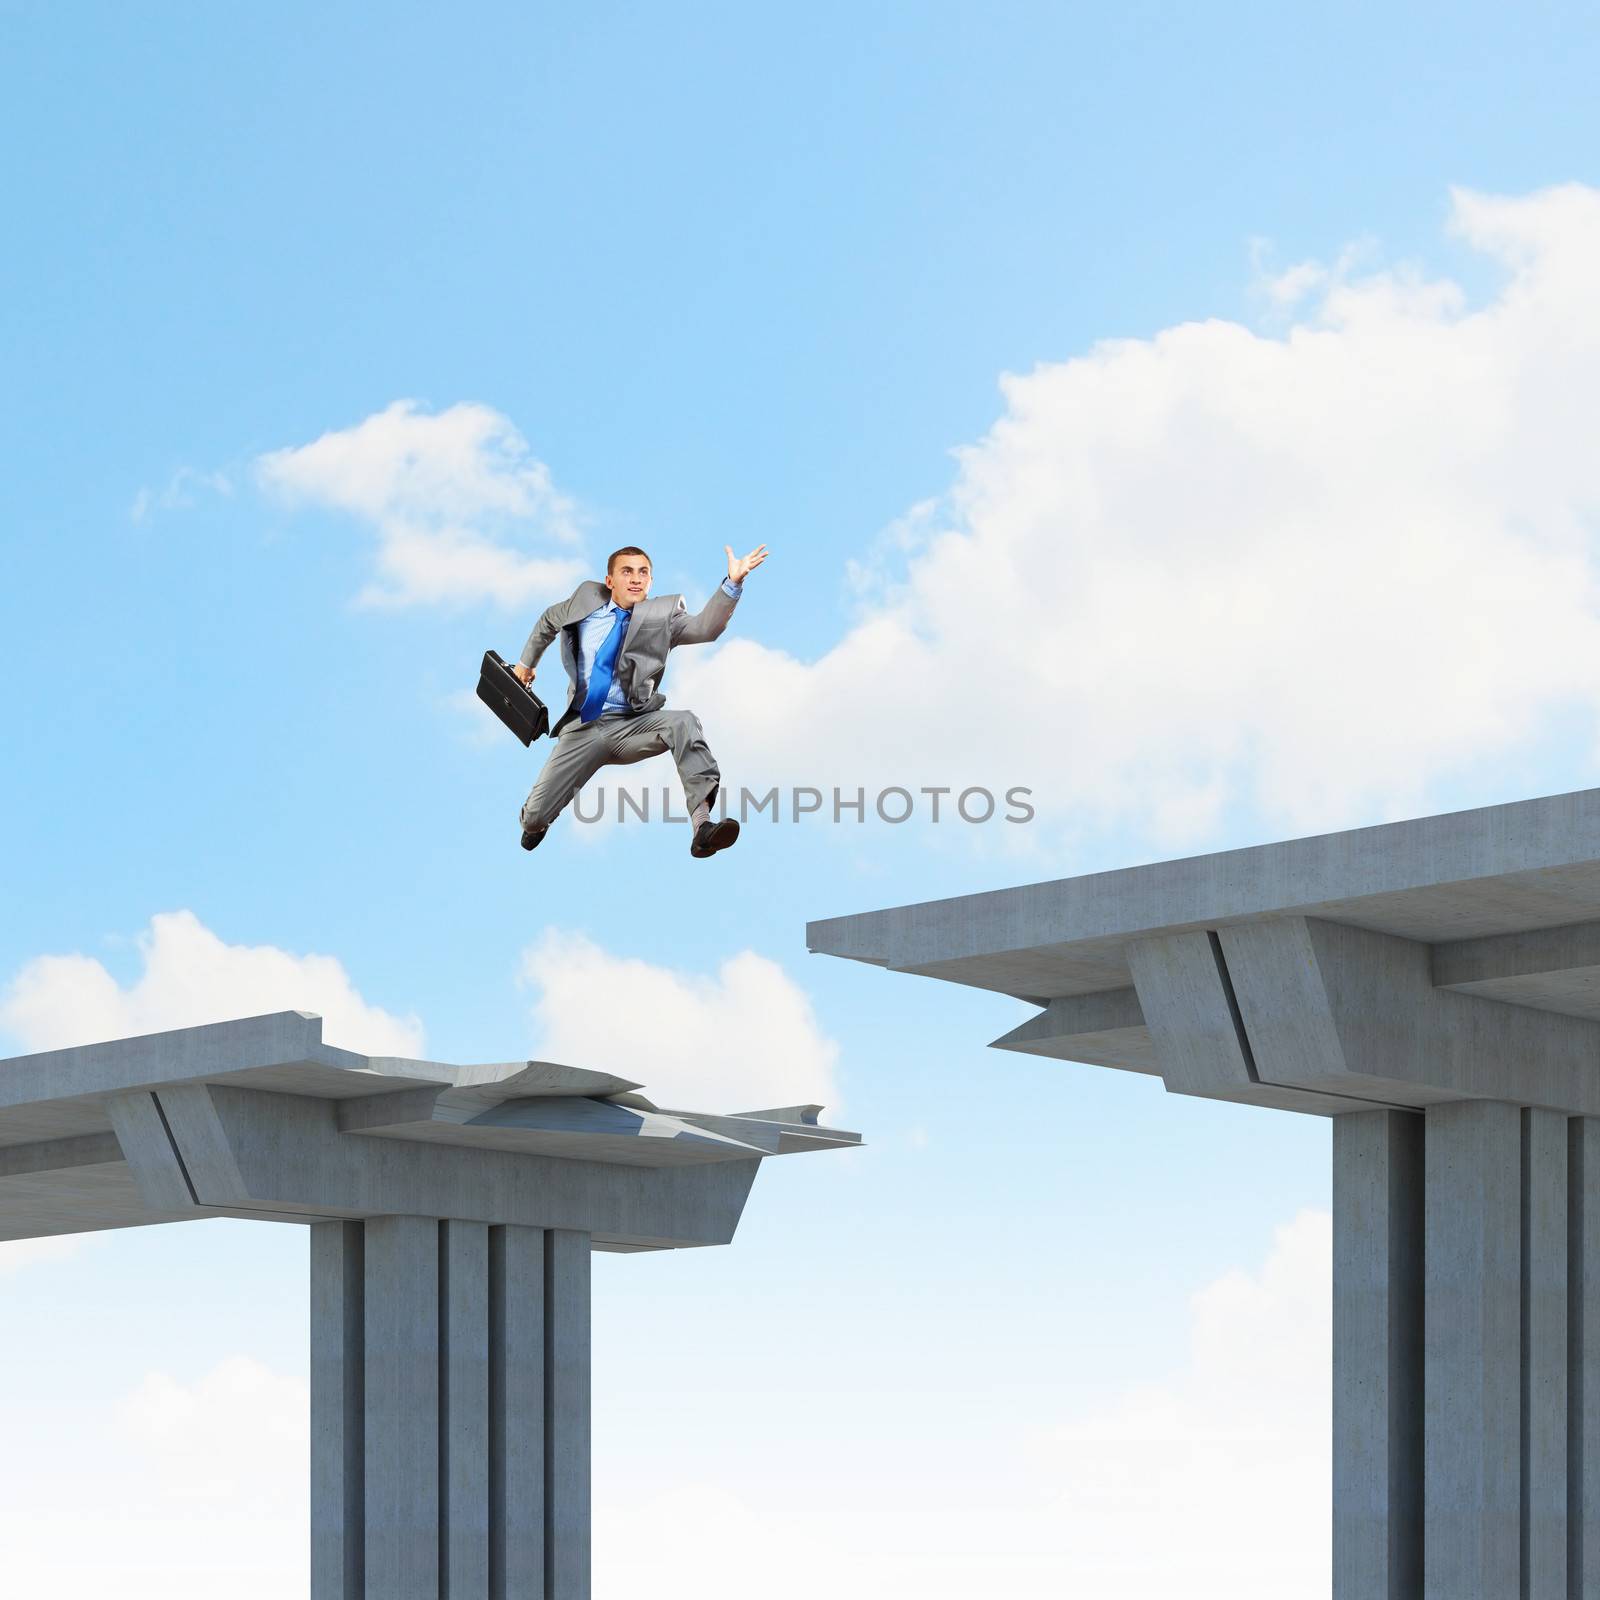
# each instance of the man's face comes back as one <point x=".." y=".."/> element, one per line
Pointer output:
<point x="629" y="581"/>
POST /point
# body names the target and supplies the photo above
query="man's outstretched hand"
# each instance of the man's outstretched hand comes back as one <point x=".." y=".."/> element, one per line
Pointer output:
<point x="523" y="674"/>
<point x="740" y="569"/>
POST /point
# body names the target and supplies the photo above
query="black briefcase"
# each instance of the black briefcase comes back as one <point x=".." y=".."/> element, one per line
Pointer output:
<point x="511" y="700"/>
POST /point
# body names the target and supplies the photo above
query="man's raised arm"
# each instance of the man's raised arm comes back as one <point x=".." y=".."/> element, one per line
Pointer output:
<point x="708" y="622"/>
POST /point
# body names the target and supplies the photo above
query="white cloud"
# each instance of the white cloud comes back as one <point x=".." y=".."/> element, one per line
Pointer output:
<point x="15" y="1254"/>
<point x="186" y="1488"/>
<point x="462" y="509"/>
<point x="740" y="1041"/>
<point x="235" y="1437"/>
<point x="179" y="493"/>
<point x="1231" y="1455"/>
<point x="1319" y="572"/>
<point x="191" y="976"/>
<point x="200" y="1485"/>
<point x="1226" y="1455"/>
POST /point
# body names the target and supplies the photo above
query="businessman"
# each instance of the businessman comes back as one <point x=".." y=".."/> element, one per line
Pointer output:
<point x="614" y="645"/>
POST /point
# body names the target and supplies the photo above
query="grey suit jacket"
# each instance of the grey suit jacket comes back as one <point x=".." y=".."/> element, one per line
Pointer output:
<point x="658" y="623"/>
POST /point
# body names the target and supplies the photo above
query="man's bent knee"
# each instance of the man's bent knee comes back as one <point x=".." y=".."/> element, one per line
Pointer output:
<point x="542" y="807"/>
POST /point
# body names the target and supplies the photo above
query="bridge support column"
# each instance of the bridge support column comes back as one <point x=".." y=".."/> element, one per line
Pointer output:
<point x="1466" y="1337"/>
<point x="449" y="1411"/>
<point x="1377" y="1355"/>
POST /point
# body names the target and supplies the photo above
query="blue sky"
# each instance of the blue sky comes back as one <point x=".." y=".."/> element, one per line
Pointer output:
<point x="1287" y="497"/>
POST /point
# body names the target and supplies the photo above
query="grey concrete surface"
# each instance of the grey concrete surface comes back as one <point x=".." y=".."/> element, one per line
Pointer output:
<point x="1499" y="870"/>
<point x="465" y="1442"/>
<point x="1433" y="986"/>
<point x="1473" y="1359"/>
<point x="1377" y="1355"/>
<point x="451" y="1390"/>
<point x="401" y="1407"/>
<point x="566" y="1415"/>
<point x="1583" y="1356"/>
<point x="338" y="1410"/>
<point x="451" y="1211"/>
<point x="1546" y="1180"/>
<point x="518" y="1391"/>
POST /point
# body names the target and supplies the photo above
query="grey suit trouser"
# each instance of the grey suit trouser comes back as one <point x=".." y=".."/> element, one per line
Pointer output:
<point x="615" y="741"/>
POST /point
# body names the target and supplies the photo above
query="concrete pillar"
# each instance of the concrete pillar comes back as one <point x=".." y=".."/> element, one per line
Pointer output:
<point x="1472" y="1472"/>
<point x="1377" y="1356"/>
<point x="464" y="1438"/>
<point x="566" y="1399"/>
<point x="403" y="1429"/>
<point x="338" y="1450"/>
<point x="1544" y="1355"/>
<point x="450" y="1411"/>
<point x="1583" y="1355"/>
<point x="1466" y="1323"/>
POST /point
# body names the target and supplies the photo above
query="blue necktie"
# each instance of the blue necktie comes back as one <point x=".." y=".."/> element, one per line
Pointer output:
<point x="605" y="665"/>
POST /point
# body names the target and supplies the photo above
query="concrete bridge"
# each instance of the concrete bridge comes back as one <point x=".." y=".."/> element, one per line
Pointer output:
<point x="1432" y="987"/>
<point x="451" y="1213"/>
